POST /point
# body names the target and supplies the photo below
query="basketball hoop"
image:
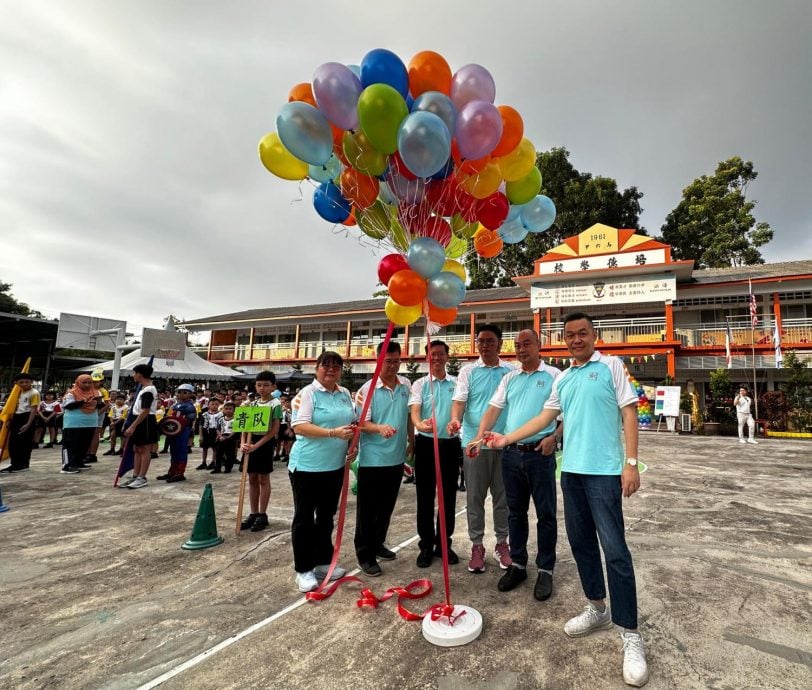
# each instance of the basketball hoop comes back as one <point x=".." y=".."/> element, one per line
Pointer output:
<point x="169" y="356"/>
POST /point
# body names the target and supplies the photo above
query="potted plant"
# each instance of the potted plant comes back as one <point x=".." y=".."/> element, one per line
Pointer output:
<point x="719" y="406"/>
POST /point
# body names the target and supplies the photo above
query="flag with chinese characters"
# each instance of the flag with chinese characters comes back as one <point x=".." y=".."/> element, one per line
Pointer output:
<point x="728" y="343"/>
<point x="753" y="306"/>
<point x="779" y="358"/>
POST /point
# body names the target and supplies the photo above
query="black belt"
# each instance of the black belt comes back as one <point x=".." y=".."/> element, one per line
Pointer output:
<point x="524" y="447"/>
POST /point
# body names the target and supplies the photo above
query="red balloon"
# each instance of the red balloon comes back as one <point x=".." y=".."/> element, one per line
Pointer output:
<point x="438" y="229"/>
<point x="465" y="205"/>
<point x="389" y="265"/>
<point x="440" y="195"/>
<point x="413" y="217"/>
<point x="492" y="210"/>
<point x="396" y="163"/>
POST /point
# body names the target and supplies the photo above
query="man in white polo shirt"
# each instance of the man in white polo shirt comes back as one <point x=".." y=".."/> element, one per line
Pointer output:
<point x="595" y="397"/>
<point x="528" y="466"/>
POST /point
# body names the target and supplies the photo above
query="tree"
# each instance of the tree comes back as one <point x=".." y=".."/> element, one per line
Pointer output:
<point x="581" y="201"/>
<point x="714" y="224"/>
<point x="347" y="378"/>
<point x="454" y="365"/>
<point x="799" y="391"/>
<point x="10" y="305"/>
<point x="412" y="369"/>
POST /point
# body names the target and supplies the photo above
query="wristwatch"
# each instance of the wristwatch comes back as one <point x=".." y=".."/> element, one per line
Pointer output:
<point x="631" y="461"/>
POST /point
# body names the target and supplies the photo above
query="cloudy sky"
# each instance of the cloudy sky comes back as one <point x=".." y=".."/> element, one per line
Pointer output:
<point x="129" y="180"/>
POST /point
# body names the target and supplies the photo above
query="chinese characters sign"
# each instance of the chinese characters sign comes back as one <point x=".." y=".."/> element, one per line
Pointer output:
<point x="251" y="419"/>
<point x="597" y="263"/>
<point x="576" y="293"/>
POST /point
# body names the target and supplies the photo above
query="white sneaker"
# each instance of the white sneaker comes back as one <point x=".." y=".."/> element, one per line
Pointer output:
<point x="306" y="582"/>
<point x="137" y="483"/>
<point x="590" y="620"/>
<point x="741" y="440"/>
<point x="635" y="668"/>
<point x="124" y="483"/>
<point x="321" y="570"/>
<point x="753" y="441"/>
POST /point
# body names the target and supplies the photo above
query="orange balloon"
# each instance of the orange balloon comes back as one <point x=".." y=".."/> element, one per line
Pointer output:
<point x="350" y="221"/>
<point x="467" y="165"/>
<point x="302" y="92"/>
<point x="338" y="136"/>
<point x="360" y="189"/>
<point x="512" y="131"/>
<point x="487" y="243"/>
<point x="442" y="316"/>
<point x="428" y="71"/>
<point x="407" y="287"/>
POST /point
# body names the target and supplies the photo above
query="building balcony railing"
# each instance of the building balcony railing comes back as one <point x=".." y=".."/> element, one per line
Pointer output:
<point x="641" y="331"/>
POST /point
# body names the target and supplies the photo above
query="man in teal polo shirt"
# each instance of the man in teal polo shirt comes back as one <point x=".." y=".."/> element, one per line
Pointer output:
<point x="432" y="394"/>
<point x="387" y="438"/>
<point x="528" y="466"/>
<point x="476" y="384"/>
<point x="595" y="396"/>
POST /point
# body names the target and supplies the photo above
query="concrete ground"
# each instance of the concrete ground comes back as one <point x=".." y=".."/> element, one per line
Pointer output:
<point x="95" y="591"/>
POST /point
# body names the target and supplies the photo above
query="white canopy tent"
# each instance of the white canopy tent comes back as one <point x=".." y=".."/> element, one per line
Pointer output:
<point x="190" y="367"/>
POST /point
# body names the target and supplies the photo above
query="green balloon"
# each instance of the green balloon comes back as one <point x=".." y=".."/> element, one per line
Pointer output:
<point x="462" y="228"/>
<point x="361" y="155"/>
<point x="456" y="248"/>
<point x="374" y="221"/>
<point x="400" y="238"/>
<point x="524" y="189"/>
<point x="381" y="109"/>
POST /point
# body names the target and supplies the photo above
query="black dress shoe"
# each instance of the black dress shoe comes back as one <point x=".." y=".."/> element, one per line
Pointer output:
<point x="424" y="558"/>
<point x="544" y="586"/>
<point x="385" y="554"/>
<point x="371" y="569"/>
<point x="175" y="478"/>
<point x="453" y="558"/>
<point x="513" y="576"/>
<point x="162" y="477"/>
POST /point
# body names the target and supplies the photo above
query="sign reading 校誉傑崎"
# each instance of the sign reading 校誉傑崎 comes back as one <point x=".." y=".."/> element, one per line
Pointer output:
<point x="620" y="290"/>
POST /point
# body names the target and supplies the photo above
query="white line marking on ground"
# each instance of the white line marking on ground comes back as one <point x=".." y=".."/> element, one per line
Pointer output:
<point x="220" y="646"/>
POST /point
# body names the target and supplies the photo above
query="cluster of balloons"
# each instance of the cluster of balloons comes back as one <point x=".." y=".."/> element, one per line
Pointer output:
<point x="644" y="411"/>
<point x="412" y="153"/>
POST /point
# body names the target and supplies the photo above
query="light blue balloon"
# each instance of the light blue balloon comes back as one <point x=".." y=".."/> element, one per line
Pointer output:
<point x="305" y="132"/>
<point x="439" y="104"/>
<point x="327" y="172"/>
<point x="426" y="256"/>
<point x="446" y="290"/>
<point x="514" y="212"/>
<point x="356" y="70"/>
<point x="538" y="214"/>
<point x="512" y="232"/>
<point x="424" y="143"/>
<point x="386" y="193"/>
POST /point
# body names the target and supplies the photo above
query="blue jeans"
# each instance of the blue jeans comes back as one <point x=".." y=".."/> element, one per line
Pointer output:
<point x="527" y="474"/>
<point x="593" y="511"/>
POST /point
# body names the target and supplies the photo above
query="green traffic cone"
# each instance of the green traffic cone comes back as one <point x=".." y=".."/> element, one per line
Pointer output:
<point x="3" y="507"/>
<point x="204" y="533"/>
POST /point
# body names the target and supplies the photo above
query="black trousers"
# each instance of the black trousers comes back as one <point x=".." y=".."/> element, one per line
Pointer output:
<point x="225" y="452"/>
<point x="75" y="444"/>
<point x="377" y="494"/>
<point x="19" y="445"/>
<point x="426" y="485"/>
<point x="315" y="501"/>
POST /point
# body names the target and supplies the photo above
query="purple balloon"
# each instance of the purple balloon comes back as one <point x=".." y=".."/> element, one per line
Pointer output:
<point x="406" y="190"/>
<point x="472" y="83"/>
<point x="479" y="128"/>
<point x="336" y="89"/>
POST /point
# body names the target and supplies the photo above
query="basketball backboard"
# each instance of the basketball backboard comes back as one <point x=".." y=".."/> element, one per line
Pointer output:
<point x="76" y="332"/>
<point x="168" y="345"/>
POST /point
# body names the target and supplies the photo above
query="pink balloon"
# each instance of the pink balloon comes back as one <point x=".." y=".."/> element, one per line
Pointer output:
<point x="472" y="83"/>
<point x="478" y="130"/>
<point x="336" y="89"/>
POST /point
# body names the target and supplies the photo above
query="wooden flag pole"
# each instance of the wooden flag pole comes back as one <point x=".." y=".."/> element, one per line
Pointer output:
<point x="245" y="458"/>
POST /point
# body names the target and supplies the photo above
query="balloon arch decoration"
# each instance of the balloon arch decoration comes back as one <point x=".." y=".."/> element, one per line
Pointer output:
<point x="430" y="170"/>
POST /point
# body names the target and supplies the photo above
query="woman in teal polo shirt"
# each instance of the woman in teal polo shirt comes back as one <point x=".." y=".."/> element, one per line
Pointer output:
<point x="322" y="417"/>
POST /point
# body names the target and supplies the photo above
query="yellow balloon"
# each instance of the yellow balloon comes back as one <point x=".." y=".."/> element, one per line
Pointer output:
<point x="400" y="315"/>
<point x="456" y="268"/>
<point x="278" y="160"/>
<point x="456" y="247"/>
<point x="518" y="162"/>
<point x="483" y="183"/>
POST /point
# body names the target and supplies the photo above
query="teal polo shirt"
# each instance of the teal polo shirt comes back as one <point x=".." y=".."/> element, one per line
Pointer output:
<point x="443" y="390"/>
<point x="329" y="410"/>
<point x="389" y="406"/>
<point x="476" y="384"/>
<point x="590" y="397"/>
<point x="521" y="396"/>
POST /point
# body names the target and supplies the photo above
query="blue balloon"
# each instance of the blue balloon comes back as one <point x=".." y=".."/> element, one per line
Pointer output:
<point x="537" y="214"/>
<point x="424" y="143"/>
<point x="514" y="212"/>
<point x="381" y="66"/>
<point x="446" y="290"/>
<point x="445" y="171"/>
<point x="330" y="203"/>
<point x="512" y="231"/>
<point x="325" y="173"/>
<point x="426" y="256"/>
<point x="409" y="102"/>
<point x="305" y="132"/>
<point x="356" y="70"/>
<point x="439" y="104"/>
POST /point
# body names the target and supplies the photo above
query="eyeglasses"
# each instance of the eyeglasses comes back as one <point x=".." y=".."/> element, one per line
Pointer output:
<point x="323" y="365"/>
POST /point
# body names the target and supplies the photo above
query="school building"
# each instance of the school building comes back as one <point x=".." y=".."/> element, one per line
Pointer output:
<point x="662" y="316"/>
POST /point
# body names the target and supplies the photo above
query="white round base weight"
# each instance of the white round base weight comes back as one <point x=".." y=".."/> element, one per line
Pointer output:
<point x="466" y="628"/>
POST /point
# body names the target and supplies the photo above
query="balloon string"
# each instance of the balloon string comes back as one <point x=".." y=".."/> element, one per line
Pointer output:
<point x="320" y="593"/>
